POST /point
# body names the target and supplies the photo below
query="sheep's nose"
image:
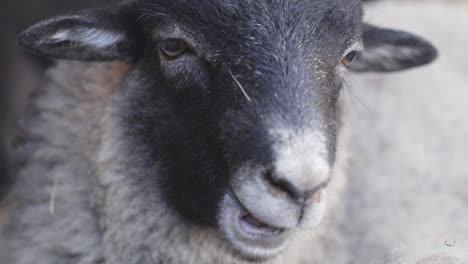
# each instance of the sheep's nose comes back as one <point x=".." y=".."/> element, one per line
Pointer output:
<point x="281" y="186"/>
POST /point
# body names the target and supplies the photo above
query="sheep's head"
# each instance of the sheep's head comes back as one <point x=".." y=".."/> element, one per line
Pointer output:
<point x="237" y="100"/>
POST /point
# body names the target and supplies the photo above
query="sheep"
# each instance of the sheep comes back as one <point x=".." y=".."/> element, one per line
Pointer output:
<point x="202" y="133"/>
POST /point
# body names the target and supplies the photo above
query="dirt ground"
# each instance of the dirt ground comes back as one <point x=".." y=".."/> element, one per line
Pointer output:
<point x="408" y="139"/>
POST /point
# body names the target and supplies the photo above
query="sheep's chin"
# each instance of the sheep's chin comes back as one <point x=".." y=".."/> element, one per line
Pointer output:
<point x="250" y="239"/>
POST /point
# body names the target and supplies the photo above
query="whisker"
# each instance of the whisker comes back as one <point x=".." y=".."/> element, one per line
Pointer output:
<point x="240" y="86"/>
<point x="354" y="93"/>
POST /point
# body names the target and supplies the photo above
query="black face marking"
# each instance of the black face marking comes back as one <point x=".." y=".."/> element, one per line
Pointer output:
<point x="190" y="113"/>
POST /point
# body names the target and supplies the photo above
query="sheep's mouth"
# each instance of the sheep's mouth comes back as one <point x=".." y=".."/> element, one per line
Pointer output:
<point x="251" y="238"/>
<point x="254" y="227"/>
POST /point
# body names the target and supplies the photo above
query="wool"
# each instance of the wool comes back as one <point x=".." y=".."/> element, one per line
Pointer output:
<point x="81" y="195"/>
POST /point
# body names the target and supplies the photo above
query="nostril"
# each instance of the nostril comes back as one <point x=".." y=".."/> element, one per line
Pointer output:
<point x="284" y="187"/>
<point x="281" y="187"/>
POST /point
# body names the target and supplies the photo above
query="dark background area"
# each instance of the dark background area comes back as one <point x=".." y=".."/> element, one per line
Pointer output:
<point x="20" y="72"/>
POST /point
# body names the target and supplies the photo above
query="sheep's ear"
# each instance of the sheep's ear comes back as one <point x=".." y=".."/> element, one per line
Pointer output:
<point x="104" y="34"/>
<point x="388" y="50"/>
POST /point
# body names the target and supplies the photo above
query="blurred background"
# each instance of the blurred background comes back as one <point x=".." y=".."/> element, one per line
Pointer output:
<point x="407" y="139"/>
<point x="406" y="134"/>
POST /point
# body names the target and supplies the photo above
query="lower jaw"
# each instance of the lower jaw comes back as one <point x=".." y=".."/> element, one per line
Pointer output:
<point x="256" y="247"/>
<point x="263" y="248"/>
<point x="255" y="242"/>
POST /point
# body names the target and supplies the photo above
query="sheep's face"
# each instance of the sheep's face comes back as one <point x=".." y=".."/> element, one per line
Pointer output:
<point x="248" y="105"/>
<point x="236" y="100"/>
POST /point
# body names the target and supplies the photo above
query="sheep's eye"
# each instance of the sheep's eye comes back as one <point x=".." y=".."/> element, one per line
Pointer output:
<point x="173" y="48"/>
<point x="349" y="58"/>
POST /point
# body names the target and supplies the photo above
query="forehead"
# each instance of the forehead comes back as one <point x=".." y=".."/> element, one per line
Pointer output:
<point x="252" y="8"/>
<point x="250" y="23"/>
